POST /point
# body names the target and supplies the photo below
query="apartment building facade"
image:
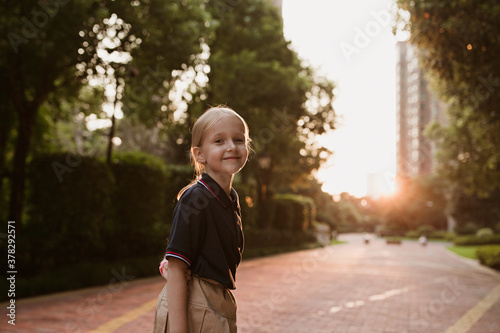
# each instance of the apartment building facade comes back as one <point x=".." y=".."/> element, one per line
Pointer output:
<point x="416" y="107"/>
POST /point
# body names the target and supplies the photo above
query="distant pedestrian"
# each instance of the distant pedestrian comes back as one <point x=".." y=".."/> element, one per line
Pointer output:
<point x="366" y="238"/>
<point x="206" y="239"/>
<point x="422" y="240"/>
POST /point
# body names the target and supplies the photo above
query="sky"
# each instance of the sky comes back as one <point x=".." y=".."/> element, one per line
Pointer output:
<point x="351" y="43"/>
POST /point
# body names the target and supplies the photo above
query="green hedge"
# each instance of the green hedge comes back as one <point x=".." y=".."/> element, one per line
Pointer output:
<point x="139" y="200"/>
<point x="258" y="238"/>
<point x="436" y="234"/>
<point x="489" y="255"/>
<point x="81" y="212"/>
<point x="293" y="212"/>
<point x="69" y="211"/>
<point x="87" y="274"/>
<point x="474" y="240"/>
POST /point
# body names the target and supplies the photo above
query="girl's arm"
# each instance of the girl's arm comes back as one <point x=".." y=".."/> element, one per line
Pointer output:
<point x="177" y="295"/>
<point x="164" y="270"/>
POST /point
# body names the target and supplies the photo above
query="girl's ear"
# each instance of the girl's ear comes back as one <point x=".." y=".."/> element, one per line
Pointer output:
<point x="198" y="155"/>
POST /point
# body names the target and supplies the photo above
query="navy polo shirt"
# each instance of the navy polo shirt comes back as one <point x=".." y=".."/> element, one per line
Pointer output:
<point x="207" y="233"/>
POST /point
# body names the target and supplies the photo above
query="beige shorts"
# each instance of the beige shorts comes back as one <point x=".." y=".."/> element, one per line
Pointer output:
<point x="211" y="308"/>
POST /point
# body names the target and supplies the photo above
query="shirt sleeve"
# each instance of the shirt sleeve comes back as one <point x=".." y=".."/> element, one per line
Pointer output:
<point x="188" y="226"/>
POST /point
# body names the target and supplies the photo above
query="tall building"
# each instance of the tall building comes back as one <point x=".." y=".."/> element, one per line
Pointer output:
<point x="416" y="107"/>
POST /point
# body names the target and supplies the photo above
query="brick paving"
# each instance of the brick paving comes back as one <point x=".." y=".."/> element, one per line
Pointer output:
<point x="344" y="288"/>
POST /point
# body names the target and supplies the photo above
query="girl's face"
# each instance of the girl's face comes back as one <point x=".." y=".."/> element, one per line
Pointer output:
<point x="223" y="150"/>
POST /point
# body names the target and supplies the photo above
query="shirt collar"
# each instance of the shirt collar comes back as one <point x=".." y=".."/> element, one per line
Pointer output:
<point x="210" y="184"/>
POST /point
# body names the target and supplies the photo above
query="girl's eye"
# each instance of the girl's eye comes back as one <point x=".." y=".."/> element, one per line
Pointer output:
<point x="218" y="141"/>
<point x="240" y="140"/>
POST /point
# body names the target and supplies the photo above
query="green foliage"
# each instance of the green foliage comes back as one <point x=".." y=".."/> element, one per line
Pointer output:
<point x="473" y="213"/>
<point x="292" y="212"/>
<point x="459" y="47"/>
<point x="347" y="216"/>
<point x="426" y="230"/>
<point x="484" y="233"/>
<point x="171" y="34"/>
<point x="139" y="201"/>
<point x="443" y="234"/>
<point x="489" y="255"/>
<point x="475" y="240"/>
<point x="87" y="274"/>
<point x="254" y="71"/>
<point x="141" y="159"/>
<point x="180" y="176"/>
<point x="394" y="240"/>
<point x="434" y="234"/>
<point x="430" y="232"/>
<point x="83" y="213"/>
<point x="69" y="210"/>
<point x="420" y="203"/>
<point x="54" y="48"/>
<point x="61" y="124"/>
<point x="269" y="238"/>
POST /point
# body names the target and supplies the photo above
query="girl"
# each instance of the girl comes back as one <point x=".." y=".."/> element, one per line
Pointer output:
<point x="206" y="240"/>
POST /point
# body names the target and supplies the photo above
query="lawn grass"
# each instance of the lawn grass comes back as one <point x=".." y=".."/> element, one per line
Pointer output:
<point x="464" y="251"/>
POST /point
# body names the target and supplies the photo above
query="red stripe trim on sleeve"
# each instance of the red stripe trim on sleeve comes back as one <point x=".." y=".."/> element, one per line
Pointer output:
<point x="179" y="256"/>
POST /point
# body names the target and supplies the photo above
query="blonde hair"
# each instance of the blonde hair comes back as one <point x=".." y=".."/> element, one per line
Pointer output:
<point x="208" y="119"/>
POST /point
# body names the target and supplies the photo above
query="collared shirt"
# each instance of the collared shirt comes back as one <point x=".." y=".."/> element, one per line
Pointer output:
<point x="207" y="233"/>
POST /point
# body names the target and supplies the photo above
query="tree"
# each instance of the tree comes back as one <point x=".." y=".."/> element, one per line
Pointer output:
<point x="54" y="46"/>
<point x="459" y="47"/>
<point x="420" y="203"/>
<point x="254" y="71"/>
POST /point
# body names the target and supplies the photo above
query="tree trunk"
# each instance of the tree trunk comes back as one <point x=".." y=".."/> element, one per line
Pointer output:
<point x="25" y="130"/>
<point x="110" y="139"/>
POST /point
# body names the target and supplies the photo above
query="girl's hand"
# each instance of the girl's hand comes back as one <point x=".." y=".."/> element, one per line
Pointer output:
<point x="164" y="270"/>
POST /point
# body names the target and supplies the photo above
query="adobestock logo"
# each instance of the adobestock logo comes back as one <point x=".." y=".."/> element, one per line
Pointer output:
<point x="364" y="36"/>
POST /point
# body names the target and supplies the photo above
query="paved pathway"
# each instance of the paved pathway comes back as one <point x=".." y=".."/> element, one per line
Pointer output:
<point x="344" y="288"/>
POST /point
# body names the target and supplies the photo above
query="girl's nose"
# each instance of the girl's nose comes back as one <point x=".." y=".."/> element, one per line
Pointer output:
<point x="230" y="145"/>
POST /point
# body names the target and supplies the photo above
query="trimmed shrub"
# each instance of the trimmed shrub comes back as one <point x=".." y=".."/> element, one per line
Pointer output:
<point x="466" y="228"/>
<point x="489" y="255"/>
<point x="393" y="240"/>
<point x="484" y="233"/>
<point x="87" y="274"/>
<point x="426" y="230"/>
<point x="293" y="212"/>
<point x="474" y="240"/>
<point x="442" y="234"/>
<point x="436" y="234"/>
<point x="258" y="238"/>
<point x="178" y="177"/>
<point x="69" y="209"/>
<point x="412" y="234"/>
<point x="140" y="204"/>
